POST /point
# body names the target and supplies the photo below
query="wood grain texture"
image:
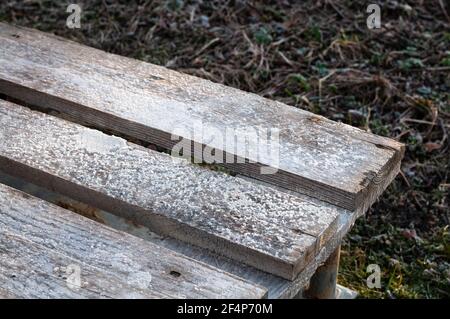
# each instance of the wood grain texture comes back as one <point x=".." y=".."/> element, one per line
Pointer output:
<point x="277" y="287"/>
<point x="255" y="224"/>
<point x="6" y="294"/>
<point x="318" y="157"/>
<point x="39" y="241"/>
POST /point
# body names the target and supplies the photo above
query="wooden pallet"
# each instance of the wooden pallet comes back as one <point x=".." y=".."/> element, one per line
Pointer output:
<point x="267" y="232"/>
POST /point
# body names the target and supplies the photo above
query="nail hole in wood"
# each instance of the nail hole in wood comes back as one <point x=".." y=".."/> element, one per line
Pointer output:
<point x="175" y="274"/>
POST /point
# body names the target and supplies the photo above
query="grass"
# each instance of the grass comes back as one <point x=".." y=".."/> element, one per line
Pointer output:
<point x="411" y="266"/>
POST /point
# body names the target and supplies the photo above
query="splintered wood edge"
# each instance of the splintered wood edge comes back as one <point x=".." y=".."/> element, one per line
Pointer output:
<point x="378" y="183"/>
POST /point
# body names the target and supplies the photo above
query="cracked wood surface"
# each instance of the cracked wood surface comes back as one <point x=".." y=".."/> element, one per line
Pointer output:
<point x="318" y="157"/>
<point x="255" y="224"/>
<point x="42" y="244"/>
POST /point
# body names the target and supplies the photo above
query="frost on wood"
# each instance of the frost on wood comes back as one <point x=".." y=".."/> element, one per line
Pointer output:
<point x="256" y="224"/>
<point x="39" y="241"/>
<point x="324" y="159"/>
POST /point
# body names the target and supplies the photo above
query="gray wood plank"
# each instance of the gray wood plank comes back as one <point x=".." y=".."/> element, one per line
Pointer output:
<point x="255" y="224"/>
<point x="33" y="271"/>
<point x="39" y="240"/>
<point x="277" y="287"/>
<point x="6" y="294"/>
<point x="327" y="160"/>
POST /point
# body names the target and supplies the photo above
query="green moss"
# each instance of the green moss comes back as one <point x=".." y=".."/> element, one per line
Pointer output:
<point x="313" y="33"/>
<point x="262" y="36"/>
<point x="410" y="63"/>
<point x="301" y="81"/>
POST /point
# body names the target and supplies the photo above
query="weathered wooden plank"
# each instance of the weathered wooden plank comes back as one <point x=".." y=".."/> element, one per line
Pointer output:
<point x="39" y="241"/>
<point x="327" y="160"/>
<point x="33" y="271"/>
<point x="6" y="294"/>
<point x="277" y="287"/>
<point x="255" y="224"/>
